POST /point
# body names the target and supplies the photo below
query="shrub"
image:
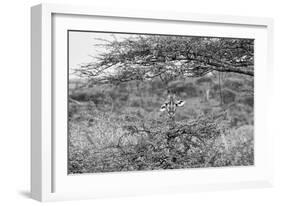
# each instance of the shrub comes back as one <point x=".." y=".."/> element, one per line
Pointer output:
<point x="228" y="96"/>
<point x="234" y="84"/>
<point x="156" y="148"/>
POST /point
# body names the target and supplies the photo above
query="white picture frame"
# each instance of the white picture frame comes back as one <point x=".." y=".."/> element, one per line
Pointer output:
<point x="49" y="181"/>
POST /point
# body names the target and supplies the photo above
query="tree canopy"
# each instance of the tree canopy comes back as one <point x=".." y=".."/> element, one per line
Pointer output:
<point x="145" y="57"/>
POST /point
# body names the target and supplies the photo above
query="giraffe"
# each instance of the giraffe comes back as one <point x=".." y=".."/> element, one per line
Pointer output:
<point x="170" y="106"/>
<point x="206" y="83"/>
<point x="209" y="76"/>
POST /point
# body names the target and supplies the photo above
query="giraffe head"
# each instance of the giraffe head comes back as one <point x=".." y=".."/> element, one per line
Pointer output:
<point x="171" y="105"/>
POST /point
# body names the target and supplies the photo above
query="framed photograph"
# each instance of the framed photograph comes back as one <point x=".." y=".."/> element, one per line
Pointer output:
<point x="137" y="102"/>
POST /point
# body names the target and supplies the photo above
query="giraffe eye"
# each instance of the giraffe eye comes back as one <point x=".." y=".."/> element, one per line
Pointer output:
<point x="180" y="103"/>
<point x="163" y="108"/>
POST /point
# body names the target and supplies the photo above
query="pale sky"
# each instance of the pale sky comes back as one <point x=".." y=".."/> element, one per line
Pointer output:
<point x="82" y="47"/>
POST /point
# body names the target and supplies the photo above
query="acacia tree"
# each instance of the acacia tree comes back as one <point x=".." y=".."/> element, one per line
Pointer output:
<point x="148" y="57"/>
<point x="145" y="57"/>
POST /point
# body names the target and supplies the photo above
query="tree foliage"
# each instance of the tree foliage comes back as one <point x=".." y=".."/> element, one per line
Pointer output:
<point x="145" y="57"/>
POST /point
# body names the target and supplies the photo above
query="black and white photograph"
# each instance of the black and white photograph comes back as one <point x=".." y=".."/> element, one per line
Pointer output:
<point x="142" y="102"/>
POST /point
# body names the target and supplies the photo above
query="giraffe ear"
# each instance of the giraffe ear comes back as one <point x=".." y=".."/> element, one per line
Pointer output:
<point x="180" y="103"/>
<point x="163" y="108"/>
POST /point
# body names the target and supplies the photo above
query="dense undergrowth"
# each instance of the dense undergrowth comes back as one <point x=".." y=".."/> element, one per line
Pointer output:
<point x="120" y="128"/>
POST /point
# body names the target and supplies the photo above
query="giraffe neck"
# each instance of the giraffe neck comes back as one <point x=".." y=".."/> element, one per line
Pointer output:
<point x="171" y="111"/>
<point x="171" y="122"/>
